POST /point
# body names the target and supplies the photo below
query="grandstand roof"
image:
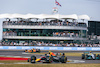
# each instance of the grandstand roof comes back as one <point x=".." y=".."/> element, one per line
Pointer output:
<point x="45" y="16"/>
<point x="84" y="17"/>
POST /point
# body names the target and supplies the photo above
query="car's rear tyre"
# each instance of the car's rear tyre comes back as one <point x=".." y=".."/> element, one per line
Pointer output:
<point x="94" y="56"/>
<point x="63" y="59"/>
<point x="98" y="57"/>
<point x="38" y="50"/>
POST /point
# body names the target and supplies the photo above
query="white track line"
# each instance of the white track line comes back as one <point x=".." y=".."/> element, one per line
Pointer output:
<point x="25" y="53"/>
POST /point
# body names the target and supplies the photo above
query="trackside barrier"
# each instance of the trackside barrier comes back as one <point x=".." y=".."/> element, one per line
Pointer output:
<point x="50" y="48"/>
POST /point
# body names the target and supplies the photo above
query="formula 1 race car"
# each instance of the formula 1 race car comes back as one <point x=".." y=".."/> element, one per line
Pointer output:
<point x="90" y="56"/>
<point x="48" y="58"/>
<point x="32" y="50"/>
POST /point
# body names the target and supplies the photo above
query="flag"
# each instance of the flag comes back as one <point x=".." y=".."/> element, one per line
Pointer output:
<point x="55" y="10"/>
<point x="57" y="3"/>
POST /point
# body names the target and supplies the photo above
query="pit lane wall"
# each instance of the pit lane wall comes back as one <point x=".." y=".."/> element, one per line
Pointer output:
<point x="50" y="48"/>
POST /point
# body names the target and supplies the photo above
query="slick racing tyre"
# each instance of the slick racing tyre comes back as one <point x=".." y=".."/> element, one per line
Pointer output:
<point x="33" y="58"/>
<point x="63" y="59"/>
<point x="94" y="57"/>
<point x="98" y="56"/>
<point x="37" y="50"/>
<point x="83" y="56"/>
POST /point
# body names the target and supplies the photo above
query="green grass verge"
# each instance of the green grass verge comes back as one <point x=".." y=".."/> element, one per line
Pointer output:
<point x="73" y="54"/>
<point x="67" y="54"/>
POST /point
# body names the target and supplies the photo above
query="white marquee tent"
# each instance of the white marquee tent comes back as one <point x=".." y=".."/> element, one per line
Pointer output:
<point x="84" y="17"/>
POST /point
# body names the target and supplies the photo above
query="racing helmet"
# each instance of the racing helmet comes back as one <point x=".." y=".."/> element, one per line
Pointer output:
<point x="63" y="54"/>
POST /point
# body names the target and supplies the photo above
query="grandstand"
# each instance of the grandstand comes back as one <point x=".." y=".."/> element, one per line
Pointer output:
<point x="44" y="30"/>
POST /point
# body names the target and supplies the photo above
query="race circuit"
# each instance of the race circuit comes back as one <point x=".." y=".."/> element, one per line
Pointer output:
<point x="20" y="53"/>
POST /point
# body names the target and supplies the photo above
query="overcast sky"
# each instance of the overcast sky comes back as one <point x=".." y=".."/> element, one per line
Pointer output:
<point x="79" y="7"/>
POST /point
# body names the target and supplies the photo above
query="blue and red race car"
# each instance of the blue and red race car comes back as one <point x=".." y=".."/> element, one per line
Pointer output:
<point x="49" y="58"/>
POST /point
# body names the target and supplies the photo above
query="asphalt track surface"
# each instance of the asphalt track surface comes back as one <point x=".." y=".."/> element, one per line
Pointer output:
<point x="20" y="54"/>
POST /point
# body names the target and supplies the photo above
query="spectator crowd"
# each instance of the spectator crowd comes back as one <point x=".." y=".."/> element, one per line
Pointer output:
<point x="55" y="34"/>
<point x="37" y="43"/>
<point x="55" y="23"/>
<point x="66" y="34"/>
<point x="10" y="33"/>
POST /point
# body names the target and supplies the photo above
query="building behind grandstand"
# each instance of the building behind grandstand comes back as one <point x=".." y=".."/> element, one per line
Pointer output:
<point x="94" y="31"/>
